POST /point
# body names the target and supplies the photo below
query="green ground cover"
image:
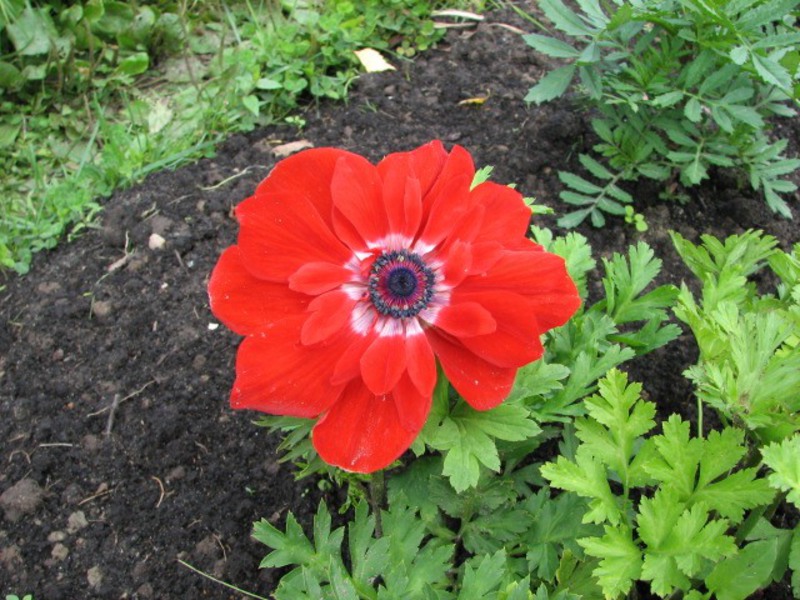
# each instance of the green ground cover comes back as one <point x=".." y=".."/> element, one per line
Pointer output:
<point x="95" y="95"/>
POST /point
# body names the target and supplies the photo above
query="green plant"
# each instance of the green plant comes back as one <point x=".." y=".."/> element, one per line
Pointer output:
<point x="749" y="364"/>
<point x="668" y="503"/>
<point x="468" y="517"/>
<point x="96" y="95"/>
<point x="679" y="87"/>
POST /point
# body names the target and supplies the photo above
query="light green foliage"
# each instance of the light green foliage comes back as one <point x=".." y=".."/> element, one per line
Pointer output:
<point x="467" y="438"/>
<point x="784" y="460"/>
<point x="676" y="533"/>
<point x="95" y="95"/>
<point x="681" y="86"/>
<point x="628" y="321"/>
<point x="749" y="366"/>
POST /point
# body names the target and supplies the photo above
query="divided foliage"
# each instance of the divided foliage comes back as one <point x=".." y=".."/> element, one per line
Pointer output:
<point x="476" y="514"/>
<point x="749" y="365"/>
<point x="679" y="86"/>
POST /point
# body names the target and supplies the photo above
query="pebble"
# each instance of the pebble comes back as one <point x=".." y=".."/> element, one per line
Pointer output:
<point x="56" y="536"/>
<point x="22" y="498"/>
<point x="156" y="242"/>
<point x="76" y="521"/>
<point x="59" y="552"/>
<point x="101" y="308"/>
<point x="94" y="576"/>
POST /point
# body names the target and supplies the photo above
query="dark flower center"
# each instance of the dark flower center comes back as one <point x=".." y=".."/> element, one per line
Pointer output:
<point x="400" y="284"/>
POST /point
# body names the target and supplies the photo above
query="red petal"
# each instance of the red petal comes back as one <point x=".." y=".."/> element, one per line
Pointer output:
<point x="319" y="277"/>
<point x="361" y="432"/>
<point x="280" y="232"/>
<point x="332" y="311"/>
<point x="413" y="406"/>
<point x="348" y="365"/>
<point x="465" y="319"/>
<point x="306" y="175"/>
<point x="402" y="198"/>
<point x="458" y="262"/>
<point x="277" y="375"/>
<point x="356" y="192"/>
<point x="507" y="217"/>
<point x="448" y="199"/>
<point x="245" y="304"/>
<point x="424" y="163"/>
<point x="528" y="272"/>
<point x="444" y="211"/>
<point x="383" y="363"/>
<point x="482" y="384"/>
<point x="420" y="361"/>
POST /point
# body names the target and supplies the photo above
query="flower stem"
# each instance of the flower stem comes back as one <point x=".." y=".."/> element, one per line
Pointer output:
<point x="377" y="493"/>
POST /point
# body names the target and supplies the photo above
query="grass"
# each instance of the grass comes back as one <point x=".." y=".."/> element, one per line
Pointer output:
<point x="96" y="95"/>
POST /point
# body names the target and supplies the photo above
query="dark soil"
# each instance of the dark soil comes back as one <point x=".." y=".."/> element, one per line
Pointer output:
<point x="114" y="376"/>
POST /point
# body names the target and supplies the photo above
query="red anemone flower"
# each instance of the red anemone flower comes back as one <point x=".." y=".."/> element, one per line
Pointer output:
<point x="350" y="280"/>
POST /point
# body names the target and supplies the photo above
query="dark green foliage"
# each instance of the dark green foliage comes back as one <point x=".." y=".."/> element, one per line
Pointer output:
<point x="680" y="86"/>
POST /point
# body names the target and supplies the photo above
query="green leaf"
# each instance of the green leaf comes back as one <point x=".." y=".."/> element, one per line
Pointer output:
<point x="552" y="85"/>
<point x="467" y="438"/>
<point x="252" y="104"/>
<point x="739" y="576"/>
<point x="574" y="218"/>
<point x="10" y="76"/>
<point x="739" y="54"/>
<point x="585" y="477"/>
<point x="369" y="557"/>
<point x="618" y="419"/>
<point x="771" y="71"/>
<point x="784" y="460"/>
<point x="594" y="167"/>
<point x="478" y="582"/>
<point x="668" y="99"/>
<point x="554" y="525"/>
<point x="550" y="46"/>
<point x="625" y="280"/>
<point x="135" y="64"/>
<point x="620" y="560"/>
<point x="290" y="548"/>
<point x="564" y="19"/>
<point x="693" y="110"/>
<point x="678" y="540"/>
<point x="32" y="32"/>
<point x="578" y="183"/>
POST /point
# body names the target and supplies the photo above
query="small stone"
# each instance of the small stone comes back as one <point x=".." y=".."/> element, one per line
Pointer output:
<point x="56" y="536"/>
<point x="59" y="552"/>
<point x="101" y="308"/>
<point x="177" y="473"/>
<point x="76" y="521"/>
<point x="58" y="355"/>
<point x="94" y="576"/>
<point x="22" y="498"/>
<point x="90" y="442"/>
<point x="156" y="242"/>
<point x="145" y="591"/>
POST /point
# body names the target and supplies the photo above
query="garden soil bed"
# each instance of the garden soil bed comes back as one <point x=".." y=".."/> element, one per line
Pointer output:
<point x="119" y="452"/>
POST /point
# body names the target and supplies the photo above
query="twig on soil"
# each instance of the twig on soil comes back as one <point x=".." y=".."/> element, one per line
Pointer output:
<point x="219" y="581"/>
<point x="113" y="410"/>
<point x="221" y="546"/>
<point x="27" y="456"/>
<point x="101" y="491"/>
<point x="128" y="397"/>
<point x="160" y="487"/>
<point x="231" y="178"/>
<point x="56" y="444"/>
